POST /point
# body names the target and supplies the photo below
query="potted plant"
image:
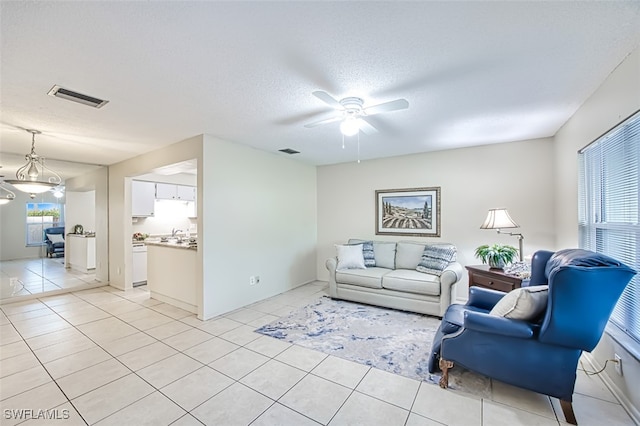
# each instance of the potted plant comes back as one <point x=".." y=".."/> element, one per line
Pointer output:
<point x="497" y="255"/>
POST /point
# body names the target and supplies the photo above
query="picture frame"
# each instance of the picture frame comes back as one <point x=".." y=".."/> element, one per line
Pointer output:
<point x="411" y="212"/>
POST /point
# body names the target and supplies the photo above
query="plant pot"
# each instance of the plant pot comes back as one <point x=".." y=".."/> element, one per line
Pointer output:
<point x="496" y="264"/>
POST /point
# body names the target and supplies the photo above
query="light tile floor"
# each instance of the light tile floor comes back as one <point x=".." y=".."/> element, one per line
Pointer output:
<point x="107" y="357"/>
<point x="25" y="277"/>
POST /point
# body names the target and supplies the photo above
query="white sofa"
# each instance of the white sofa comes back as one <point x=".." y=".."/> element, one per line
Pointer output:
<point x="394" y="282"/>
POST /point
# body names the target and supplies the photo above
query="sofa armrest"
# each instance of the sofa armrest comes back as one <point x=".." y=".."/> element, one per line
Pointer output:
<point x="484" y="298"/>
<point x="491" y="324"/>
<point x="451" y="274"/>
<point x="449" y="277"/>
<point x="332" y="264"/>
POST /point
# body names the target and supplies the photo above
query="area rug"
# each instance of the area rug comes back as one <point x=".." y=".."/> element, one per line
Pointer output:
<point x="390" y="340"/>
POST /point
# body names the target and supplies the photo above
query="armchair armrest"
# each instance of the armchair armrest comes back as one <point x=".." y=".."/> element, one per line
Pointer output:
<point x="484" y="298"/>
<point x="485" y="323"/>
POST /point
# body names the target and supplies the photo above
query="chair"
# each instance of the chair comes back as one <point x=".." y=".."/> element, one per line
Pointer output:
<point x="54" y="238"/>
<point x="539" y="354"/>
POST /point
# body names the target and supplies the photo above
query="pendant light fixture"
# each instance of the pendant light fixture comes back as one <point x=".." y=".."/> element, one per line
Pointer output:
<point x="30" y="178"/>
<point x="5" y="199"/>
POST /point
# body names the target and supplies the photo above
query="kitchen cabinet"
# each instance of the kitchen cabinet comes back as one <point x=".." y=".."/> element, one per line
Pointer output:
<point x="143" y="196"/>
<point x="171" y="275"/>
<point x="167" y="191"/>
<point x="81" y="250"/>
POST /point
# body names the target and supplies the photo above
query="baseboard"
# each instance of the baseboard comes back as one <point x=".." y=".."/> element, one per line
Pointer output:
<point x="632" y="410"/>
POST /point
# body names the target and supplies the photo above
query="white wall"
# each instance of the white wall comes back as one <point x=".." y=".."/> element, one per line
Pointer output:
<point x="168" y="214"/>
<point x="617" y="98"/>
<point x="80" y="210"/>
<point x="260" y="211"/>
<point x="515" y="175"/>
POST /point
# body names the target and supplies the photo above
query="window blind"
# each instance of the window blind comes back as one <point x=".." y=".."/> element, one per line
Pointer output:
<point x="608" y="211"/>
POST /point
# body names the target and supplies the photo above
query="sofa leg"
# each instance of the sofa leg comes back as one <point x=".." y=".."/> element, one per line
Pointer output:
<point x="567" y="410"/>
<point x="444" y="366"/>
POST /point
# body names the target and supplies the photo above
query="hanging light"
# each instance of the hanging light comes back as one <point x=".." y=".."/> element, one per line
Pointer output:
<point x="7" y="198"/>
<point x="350" y="126"/>
<point x="30" y="177"/>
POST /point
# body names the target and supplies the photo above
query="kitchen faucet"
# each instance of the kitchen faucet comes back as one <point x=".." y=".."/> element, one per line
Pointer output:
<point x="174" y="231"/>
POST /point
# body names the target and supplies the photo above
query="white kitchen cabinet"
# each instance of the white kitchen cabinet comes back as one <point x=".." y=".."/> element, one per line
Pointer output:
<point x="186" y="193"/>
<point x="168" y="191"/>
<point x="143" y="196"/>
<point x="81" y="250"/>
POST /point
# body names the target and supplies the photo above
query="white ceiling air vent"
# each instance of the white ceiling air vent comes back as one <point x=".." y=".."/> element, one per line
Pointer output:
<point x="70" y="95"/>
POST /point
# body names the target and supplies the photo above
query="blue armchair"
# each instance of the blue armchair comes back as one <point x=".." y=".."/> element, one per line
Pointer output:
<point x="540" y="354"/>
<point x="54" y="239"/>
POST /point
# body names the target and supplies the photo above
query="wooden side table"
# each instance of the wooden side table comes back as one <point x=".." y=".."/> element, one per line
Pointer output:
<point x="495" y="279"/>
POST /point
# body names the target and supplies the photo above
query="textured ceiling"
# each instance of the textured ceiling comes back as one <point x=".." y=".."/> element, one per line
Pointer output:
<point x="473" y="72"/>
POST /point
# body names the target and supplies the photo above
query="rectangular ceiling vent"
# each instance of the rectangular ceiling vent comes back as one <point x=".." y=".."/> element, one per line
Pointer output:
<point x="289" y="151"/>
<point x="70" y="95"/>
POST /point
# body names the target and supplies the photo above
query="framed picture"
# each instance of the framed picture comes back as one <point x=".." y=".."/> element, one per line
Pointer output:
<point x="411" y="212"/>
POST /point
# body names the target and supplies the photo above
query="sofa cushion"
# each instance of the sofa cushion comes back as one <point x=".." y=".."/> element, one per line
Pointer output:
<point x="436" y="257"/>
<point x="350" y="256"/>
<point x="525" y="303"/>
<point x="369" y="277"/>
<point x="411" y="281"/>
<point x="408" y="255"/>
<point x="385" y="254"/>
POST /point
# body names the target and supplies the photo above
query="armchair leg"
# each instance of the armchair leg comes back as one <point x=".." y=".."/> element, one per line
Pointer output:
<point x="444" y="365"/>
<point x="567" y="410"/>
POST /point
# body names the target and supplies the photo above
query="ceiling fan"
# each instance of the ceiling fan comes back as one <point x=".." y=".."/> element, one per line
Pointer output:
<point x="353" y="114"/>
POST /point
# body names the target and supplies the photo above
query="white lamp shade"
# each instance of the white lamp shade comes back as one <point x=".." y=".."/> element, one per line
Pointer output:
<point x="350" y="127"/>
<point x="31" y="187"/>
<point x="498" y="219"/>
<point x="5" y="200"/>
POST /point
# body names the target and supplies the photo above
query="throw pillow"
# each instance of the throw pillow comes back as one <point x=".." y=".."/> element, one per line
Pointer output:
<point x="350" y="256"/>
<point x="408" y="255"/>
<point x="385" y="255"/>
<point x="525" y="303"/>
<point x="55" y="238"/>
<point x="436" y="258"/>
<point x="368" y="254"/>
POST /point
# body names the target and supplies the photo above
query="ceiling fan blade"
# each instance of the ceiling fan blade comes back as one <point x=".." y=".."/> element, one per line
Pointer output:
<point x="327" y="99"/>
<point x="366" y="127"/>
<point x="396" y="105"/>
<point x="325" y="121"/>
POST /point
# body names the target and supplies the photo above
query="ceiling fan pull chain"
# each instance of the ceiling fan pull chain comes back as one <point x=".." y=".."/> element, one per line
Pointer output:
<point x="342" y="141"/>
<point x="358" y="147"/>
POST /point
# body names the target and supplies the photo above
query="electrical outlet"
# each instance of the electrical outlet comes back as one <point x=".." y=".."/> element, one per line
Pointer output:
<point x="254" y="279"/>
<point x="618" y="365"/>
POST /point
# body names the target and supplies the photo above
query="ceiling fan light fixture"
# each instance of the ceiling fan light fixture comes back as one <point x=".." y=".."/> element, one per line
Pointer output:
<point x="350" y="126"/>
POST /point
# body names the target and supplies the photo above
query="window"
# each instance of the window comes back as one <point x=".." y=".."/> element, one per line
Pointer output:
<point x="41" y="216"/>
<point x="608" y="221"/>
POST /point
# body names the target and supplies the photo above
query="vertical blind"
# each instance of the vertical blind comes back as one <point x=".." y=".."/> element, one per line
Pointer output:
<point x="608" y="219"/>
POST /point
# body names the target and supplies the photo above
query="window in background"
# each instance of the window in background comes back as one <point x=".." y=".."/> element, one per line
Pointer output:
<point x="609" y="186"/>
<point x="41" y="216"/>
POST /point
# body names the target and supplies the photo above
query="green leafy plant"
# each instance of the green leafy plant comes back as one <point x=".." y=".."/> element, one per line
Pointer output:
<point x="497" y="255"/>
<point x="50" y="212"/>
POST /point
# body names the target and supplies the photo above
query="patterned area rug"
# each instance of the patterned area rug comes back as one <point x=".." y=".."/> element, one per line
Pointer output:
<point x="390" y="340"/>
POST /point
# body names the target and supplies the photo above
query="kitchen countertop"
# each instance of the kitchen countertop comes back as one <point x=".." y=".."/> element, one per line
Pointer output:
<point x="172" y="244"/>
